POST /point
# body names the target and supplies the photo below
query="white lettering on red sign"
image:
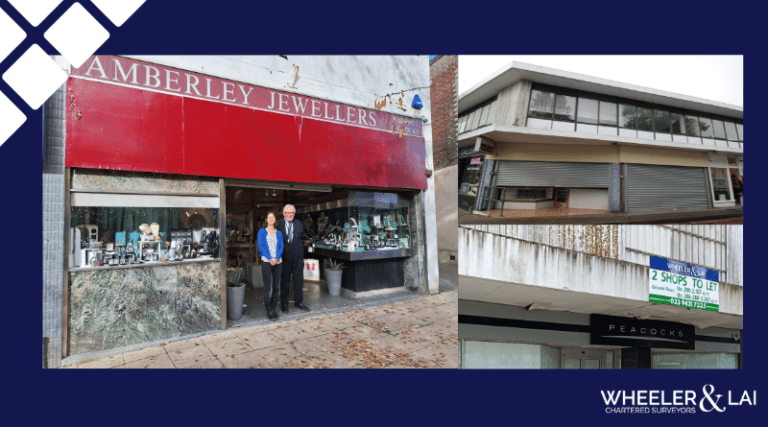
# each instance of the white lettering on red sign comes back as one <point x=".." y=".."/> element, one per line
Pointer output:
<point x="126" y="71"/>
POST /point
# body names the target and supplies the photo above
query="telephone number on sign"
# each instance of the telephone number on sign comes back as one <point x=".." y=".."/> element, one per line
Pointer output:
<point x="684" y="303"/>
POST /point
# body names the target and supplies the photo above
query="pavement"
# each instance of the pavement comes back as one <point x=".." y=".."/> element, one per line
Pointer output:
<point x="420" y="332"/>
<point x="694" y="216"/>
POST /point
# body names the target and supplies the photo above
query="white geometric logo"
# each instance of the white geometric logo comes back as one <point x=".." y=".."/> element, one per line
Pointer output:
<point x="35" y="11"/>
<point x="76" y="35"/>
<point x="12" y="118"/>
<point x="118" y="11"/>
<point x="35" y="76"/>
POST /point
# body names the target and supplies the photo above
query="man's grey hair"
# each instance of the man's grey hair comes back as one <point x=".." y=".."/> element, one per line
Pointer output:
<point x="286" y="207"/>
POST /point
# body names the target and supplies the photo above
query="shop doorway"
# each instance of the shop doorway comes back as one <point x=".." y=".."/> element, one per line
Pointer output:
<point x="588" y="358"/>
<point x="247" y="206"/>
<point x="321" y="209"/>
<point x="737" y="183"/>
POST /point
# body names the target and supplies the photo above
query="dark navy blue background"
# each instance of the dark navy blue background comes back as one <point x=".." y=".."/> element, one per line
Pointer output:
<point x="364" y="397"/>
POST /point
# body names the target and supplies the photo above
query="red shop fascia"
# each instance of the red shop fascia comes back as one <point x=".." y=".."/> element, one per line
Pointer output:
<point x="136" y="116"/>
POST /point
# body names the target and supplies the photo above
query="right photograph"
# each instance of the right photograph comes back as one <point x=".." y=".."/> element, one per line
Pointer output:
<point x="550" y="145"/>
<point x="601" y="212"/>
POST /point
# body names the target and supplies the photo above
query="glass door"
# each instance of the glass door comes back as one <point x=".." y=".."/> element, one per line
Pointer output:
<point x="581" y="363"/>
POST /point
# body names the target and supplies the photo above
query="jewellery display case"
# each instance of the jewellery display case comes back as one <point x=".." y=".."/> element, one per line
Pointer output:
<point x="123" y="237"/>
<point x="364" y="225"/>
<point x="370" y="231"/>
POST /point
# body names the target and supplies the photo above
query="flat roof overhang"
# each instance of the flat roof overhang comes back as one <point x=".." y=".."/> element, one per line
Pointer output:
<point x="518" y="134"/>
<point x="517" y="71"/>
<point x="541" y="298"/>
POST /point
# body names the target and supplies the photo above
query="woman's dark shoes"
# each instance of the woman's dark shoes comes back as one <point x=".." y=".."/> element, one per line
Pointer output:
<point x="303" y="306"/>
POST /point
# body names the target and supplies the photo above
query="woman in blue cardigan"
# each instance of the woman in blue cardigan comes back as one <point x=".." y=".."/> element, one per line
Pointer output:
<point x="270" y="243"/>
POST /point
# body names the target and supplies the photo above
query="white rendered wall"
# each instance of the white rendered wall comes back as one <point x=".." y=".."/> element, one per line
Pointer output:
<point x="588" y="198"/>
<point x="446" y="183"/>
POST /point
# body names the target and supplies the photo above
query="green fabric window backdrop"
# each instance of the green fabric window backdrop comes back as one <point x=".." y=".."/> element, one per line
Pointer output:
<point x="111" y="220"/>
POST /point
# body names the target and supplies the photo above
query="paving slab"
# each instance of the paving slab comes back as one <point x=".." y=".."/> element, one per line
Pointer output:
<point x="143" y="353"/>
<point x="259" y="339"/>
<point x="177" y="345"/>
<point x="105" y="363"/>
<point x="161" y="361"/>
<point x="249" y="360"/>
<point x="290" y="333"/>
<point x="228" y="347"/>
<point x="187" y="357"/>
<point x="209" y="338"/>
<point x="309" y="345"/>
<point x="209" y="363"/>
<point x="278" y="356"/>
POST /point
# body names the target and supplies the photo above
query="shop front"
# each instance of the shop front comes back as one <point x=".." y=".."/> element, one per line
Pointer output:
<point x="594" y="341"/>
<point x="171" y="173"/>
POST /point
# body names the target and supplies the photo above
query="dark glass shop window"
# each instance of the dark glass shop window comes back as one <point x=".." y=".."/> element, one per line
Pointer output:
<point x="661" y="121"/>
<point x="587" y="111"/>
<point x="705" y="125"/>
<point x="531" y="193"/>
<point x="565" y="107"/>
<point x="730" y="131"/>
<point x="719" y="129"/>
<point x="542" y="104"/>
<point x="645" y="119"/>
<point x="627" y="116"/>
<point x="678" y="124"/>
<point x="474" y="119"/>
<point x="691" y="126"/>
<point x="608" y="113"/>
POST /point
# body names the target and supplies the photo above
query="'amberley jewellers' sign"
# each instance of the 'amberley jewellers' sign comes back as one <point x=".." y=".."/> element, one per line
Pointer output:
<point x="683" y="285"/>
<point x="614" y="330"/>
<point x="124" y="71"/>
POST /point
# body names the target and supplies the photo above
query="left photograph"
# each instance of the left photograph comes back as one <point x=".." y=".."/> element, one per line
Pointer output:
<point x="250" y="212"/>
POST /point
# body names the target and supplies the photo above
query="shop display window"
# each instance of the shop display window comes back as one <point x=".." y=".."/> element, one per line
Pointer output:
<point x="720" y="187"/>
<point x="106" y="236"/>
<point x="364" y="221"/>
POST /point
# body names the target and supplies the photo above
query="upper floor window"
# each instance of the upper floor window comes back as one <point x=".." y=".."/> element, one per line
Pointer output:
<point x="569" y="111"/>
<point x="478" y="116"/>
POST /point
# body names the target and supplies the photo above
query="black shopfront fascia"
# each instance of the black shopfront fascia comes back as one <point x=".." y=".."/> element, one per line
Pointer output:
<point x="627" y="101"/>
<point x="629" y="332"/>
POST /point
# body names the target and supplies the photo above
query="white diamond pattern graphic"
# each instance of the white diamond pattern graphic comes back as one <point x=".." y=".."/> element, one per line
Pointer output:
<point x="35" y="76"/>
<point x="10" y="35"/>
<point x="118" y="11"/>
<point x="35" y="11"/>
<point x="76" y="35"/>
<point x="13" y="118"/>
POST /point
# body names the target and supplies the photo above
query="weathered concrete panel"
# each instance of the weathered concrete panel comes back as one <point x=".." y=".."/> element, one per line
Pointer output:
<point x="500" y="258"/>
<point x="713" y="246"/>
<point x="446" y="203"/>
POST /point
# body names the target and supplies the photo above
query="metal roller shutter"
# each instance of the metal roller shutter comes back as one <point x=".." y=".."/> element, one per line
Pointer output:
<point x="654" y="188"/>
<point x="514" y="173"/>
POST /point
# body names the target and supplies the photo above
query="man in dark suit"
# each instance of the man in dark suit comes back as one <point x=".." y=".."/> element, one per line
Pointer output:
<point x="293" y="259"/>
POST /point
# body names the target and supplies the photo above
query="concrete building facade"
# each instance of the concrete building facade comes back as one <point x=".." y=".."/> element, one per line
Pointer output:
<point x="552" y="139"/>
<point x="601" y="296"/>
<point x="443" y="71"/>
<point x="224" y="140"/>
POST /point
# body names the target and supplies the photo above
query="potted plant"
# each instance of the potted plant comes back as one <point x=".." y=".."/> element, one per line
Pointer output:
<point x="333" y="275"/>
<point x="235" y="293"/>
